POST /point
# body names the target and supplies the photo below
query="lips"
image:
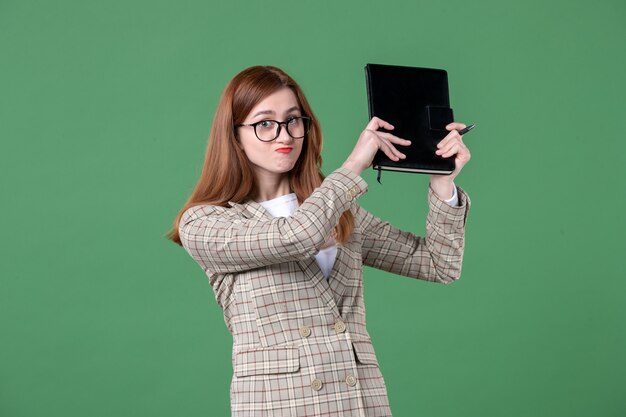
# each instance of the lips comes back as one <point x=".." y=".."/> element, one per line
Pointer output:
<point x="284" y="150"/>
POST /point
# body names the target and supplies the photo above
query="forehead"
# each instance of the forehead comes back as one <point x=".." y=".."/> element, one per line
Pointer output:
<point x="278" y="103"/>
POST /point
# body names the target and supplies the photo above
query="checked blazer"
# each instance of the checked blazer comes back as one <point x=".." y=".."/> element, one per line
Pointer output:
<point x="300" y="344"/>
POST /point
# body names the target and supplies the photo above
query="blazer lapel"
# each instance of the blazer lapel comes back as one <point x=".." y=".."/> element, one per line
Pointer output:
<point x="337" y="277"/>
<point x="313" y="271"/>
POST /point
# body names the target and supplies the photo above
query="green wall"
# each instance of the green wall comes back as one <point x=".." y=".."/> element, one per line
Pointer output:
<point x="105" y="108"/>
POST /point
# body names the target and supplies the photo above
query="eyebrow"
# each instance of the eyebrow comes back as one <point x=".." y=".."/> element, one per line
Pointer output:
<point x="272" y="112"/>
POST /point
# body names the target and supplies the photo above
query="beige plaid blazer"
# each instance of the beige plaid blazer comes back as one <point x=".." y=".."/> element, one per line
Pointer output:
<point x="300" y="345"/>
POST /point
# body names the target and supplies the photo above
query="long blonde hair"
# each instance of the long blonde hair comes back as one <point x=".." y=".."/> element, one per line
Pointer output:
<point x="227" y="174"/>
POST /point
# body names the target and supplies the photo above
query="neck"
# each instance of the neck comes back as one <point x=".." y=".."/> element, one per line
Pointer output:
<point x="271" y="186"/>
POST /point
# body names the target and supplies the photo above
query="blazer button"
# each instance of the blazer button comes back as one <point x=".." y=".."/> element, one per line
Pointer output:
<point x="340" y="326"/>
<point x="352" y="193"/>
<point x="305" y="331"/>
<point x="350" y="380"/>
<point x="316" y="384"/>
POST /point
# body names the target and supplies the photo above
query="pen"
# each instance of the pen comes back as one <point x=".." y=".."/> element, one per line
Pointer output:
<point x="467" y="129"/>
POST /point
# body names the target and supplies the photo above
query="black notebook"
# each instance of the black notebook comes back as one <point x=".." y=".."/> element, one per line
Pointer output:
<point x="416" y="102"/>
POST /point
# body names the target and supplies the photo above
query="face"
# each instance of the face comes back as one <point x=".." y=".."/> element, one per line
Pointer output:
<point x="279" y="156"/>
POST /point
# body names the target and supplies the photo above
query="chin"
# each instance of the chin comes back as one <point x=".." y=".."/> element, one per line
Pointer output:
<point x="284" y="170"/>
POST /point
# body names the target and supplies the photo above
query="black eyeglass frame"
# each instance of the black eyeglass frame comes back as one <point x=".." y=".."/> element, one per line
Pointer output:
<point x="306" y="121"/>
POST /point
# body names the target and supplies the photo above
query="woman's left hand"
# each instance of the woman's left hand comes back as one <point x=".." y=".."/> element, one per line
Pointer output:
<point x="451" y="145"/>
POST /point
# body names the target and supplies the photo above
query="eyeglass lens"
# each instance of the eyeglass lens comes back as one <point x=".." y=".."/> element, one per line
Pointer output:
<point x="269" y="129"/>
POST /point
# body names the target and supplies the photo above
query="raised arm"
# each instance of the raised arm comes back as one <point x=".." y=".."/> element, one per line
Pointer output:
<point x="226" y="240"/>
<point x="437" y="257"/>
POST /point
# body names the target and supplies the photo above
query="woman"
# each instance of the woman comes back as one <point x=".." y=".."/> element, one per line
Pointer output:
<point x="284" y="247"/>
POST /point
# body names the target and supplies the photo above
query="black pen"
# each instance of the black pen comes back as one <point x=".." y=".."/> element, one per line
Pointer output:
<point x="467" y="129"/>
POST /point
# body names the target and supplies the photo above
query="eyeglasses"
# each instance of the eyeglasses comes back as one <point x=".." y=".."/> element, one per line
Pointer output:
<point x="268" y="130"/>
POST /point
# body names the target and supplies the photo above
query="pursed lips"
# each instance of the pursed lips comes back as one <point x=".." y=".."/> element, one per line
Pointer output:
<point x="284" y="150"/>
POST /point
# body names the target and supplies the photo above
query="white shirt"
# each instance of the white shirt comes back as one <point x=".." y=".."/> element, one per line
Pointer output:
<point x="286" y="205"/>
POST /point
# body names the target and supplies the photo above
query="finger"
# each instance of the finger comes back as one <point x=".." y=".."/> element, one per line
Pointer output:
<point x="456" y="126"/>
<point x="460" y="150"/>
<point x="450" y="137"/>
<point x="394" y="139"/>
<point x="452" y="150"/>
<point x="444" y="151"/>
<point x="376" y="123"/>
<point x="391" y="151"/>
<point x="445" y="146"/>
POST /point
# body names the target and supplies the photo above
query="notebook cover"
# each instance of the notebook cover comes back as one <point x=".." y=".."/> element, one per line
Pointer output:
<point x="416" y="102"/>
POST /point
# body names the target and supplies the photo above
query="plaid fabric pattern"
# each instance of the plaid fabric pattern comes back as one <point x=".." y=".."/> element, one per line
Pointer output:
<point x="300" y="344"/>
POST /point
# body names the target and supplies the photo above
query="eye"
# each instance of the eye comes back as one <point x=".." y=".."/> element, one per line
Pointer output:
<point x="266" y="124"/>
<point x="293" y="120"/>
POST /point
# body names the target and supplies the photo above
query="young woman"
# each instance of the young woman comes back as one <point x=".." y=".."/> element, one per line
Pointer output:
<point x="283" y="248"/>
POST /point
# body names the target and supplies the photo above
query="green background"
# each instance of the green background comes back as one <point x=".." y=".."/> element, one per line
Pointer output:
<point x="105" y="108"/>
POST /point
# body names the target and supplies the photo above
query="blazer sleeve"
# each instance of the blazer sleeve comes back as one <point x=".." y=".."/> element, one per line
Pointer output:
<point x="223" y="240"/>
<point x="436" y="257"/>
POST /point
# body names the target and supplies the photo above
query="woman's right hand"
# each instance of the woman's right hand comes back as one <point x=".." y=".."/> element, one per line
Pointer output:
<point x="370" y="141"/>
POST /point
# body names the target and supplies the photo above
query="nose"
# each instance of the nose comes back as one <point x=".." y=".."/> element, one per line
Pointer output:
<point x="283" y="135"/>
